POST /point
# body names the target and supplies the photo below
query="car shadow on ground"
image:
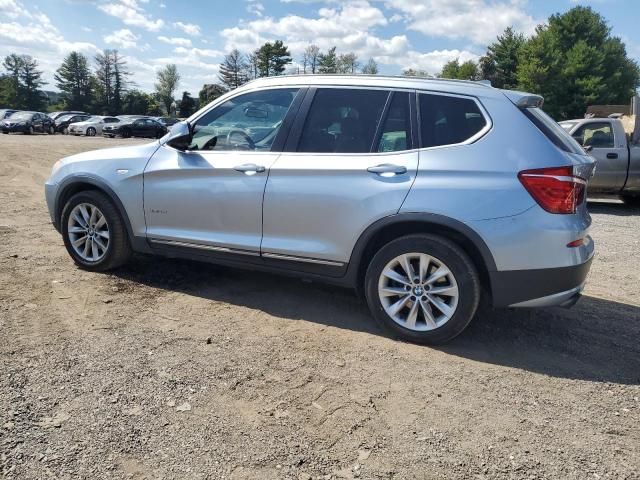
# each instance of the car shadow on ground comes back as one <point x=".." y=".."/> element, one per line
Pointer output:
<point x="597" y="340"/>
<point x="612" y="207"/>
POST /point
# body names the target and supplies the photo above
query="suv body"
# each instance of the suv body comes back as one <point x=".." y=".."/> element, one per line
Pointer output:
<point x="424" y="194"/>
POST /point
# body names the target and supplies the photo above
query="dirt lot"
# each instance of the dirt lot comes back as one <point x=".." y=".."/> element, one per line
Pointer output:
<point x="170" y="369"/>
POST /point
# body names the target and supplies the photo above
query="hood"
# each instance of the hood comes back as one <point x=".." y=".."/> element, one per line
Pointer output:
<point x="126" y="152"/>
<point x="83" y="123"/>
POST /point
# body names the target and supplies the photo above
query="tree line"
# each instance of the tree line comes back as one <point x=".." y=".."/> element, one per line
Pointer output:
<point x="105" y="90"/>
<point x="573" y="61"/>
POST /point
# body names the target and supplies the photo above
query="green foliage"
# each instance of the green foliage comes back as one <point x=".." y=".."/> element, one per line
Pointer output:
<point x="460" y="71"/>
<point x="111" y="82"/>
<point x="210" y="92"/>
<point x="499" y="65"/>
<point x="348" y="63"/>
<point x="411" y="72"/>
<point x="22" y="83"/>
<point x="271" y="59"/>
<point x="187" y="105"/>
<point x="136" y="102"/>
<point x="168" y="80"/>
<point x="74" y="80"/>
<point x="328" y="62"/>
<point x="574" y="62"/>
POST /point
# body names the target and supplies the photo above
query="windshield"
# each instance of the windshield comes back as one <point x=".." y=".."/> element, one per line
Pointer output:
<point x="553" y="131"/>
<point x="568" y="125"/>
<point x="64" y="118"/>
<point x="21" y="116"/>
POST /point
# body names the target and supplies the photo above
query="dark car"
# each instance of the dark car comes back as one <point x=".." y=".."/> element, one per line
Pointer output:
<point x="6" y="113"/>
<point x="56" y="115"/>
<point x="130" y="127"/>
<point x="62" y="123"/>
<point x="27" y="122"/>
<point x="166" y="121"/>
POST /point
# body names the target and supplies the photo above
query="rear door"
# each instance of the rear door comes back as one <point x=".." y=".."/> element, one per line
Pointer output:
<point x="349" y="161"/>
<point x="610" y="152"/>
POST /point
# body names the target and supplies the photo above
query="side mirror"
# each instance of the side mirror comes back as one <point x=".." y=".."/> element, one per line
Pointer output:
<point x="180" y="136"/>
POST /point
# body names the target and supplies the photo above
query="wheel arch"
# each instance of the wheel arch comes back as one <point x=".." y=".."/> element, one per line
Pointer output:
<point x="395" y="226"/>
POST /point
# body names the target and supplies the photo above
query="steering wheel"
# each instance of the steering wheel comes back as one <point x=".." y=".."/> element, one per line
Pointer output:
<point x="248" y="139"/>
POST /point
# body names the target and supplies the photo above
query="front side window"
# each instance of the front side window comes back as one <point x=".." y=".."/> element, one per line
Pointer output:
<point x="342" y="120"/>
<point x="246" y="122"/>
<point x="596" y="135"/>
<point x="396" y="130"/>
<point x="446" y="120"/>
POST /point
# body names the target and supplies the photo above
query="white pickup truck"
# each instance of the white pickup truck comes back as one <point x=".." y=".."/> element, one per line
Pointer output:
<point x="614" y="143"/>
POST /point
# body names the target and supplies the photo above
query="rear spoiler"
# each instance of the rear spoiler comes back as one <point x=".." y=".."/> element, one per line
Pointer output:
<point x="523" y="99"/>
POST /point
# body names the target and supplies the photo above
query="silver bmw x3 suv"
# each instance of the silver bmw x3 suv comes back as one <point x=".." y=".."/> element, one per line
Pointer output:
<point x="427" y="196"/>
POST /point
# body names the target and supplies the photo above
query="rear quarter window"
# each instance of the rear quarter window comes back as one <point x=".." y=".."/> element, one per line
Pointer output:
<point x="552" y="130"/>
<point x="448" y="120"/>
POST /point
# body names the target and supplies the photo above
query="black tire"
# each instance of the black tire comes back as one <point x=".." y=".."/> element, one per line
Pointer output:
<point x="52" y="131"/>
<point x="631" y="200"/>
<point x="65" y="131"/>
<point x="458" y="262"/>
<point x="91" y="132"/>
<point x="30" y="130"/>
<point x="126" y="133"/>
<point x="118" y="249"/>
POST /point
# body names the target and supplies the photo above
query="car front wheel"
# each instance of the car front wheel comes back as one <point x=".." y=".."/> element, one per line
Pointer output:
<point x="91" y="132"/>
<point x="422" y="288"/>
<point x="94" y="232"/>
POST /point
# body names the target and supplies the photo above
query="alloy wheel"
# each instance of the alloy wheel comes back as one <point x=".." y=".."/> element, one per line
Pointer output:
<point x="88" y="232"/>
<point x="418" y="292"/>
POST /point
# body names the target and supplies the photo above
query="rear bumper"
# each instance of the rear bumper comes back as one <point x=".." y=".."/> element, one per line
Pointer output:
<point x="545" y="287"/>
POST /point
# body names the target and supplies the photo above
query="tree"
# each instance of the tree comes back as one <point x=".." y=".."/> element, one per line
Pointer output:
<point x="410" y="72"/>
<point x="310" y="58"/>
<point x="13" y="65"/>
<point x="168" y="80"/>
<point x="210" y="92"/>
<point x="460" y="71"/>
<point x="348" y="63"/>
<point x="253" y="70"/>
<point x="31" y="80"/>
<point x="136" y="102"/>
<point x="573" y="61"/>
<point x="500" y="64"/>
<point x="120" y="79"/>
<point x="272" y="58"/>
<point x="111" y="81"/>
<point x="73" y="78"/>
<point x="328" y="62"/>
<point x="187" y="105"/>
<point x="234" y="69"/>
<point x="370" y="68"/>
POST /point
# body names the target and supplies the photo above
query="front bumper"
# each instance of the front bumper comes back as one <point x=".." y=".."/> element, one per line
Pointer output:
<point x="544" y="287"/>
<point x="14" y="128"/>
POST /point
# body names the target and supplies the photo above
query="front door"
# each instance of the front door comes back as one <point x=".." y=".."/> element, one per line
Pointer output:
<point x="352" y="163"/>
<point x="610" y="152"/>
<point x="210" y="196"/>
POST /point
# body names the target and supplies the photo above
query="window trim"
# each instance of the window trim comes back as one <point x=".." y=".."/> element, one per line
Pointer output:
<point x="375" y="145"/>
<point x="474" y="138"/>
<point x="597" y="122"/>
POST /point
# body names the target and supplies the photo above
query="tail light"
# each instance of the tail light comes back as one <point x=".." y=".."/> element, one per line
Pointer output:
<point x="556" y="189"/>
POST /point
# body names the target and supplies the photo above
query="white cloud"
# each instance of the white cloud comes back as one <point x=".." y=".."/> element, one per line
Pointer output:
<point x="188" y="28"/>
<point x="131" y="14"/>
<point x="477" y="20"/>
<point x="124" y="38"/>
<point x="178" y="41"/>
<point x="255" y="7"/>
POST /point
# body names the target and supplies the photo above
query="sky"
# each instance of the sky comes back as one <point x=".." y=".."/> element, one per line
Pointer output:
<point x="195" y="34"/>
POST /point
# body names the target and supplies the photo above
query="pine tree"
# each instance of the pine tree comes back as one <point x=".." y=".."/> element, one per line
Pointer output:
<point x="234" y="70"/>
<point x="33" y="98"/>
<point x="500" y="64"/>
<point x="272" y="58"/>
<point x="328" y="62"/>
<point x="74" y="81"/>
<point x="187" y="105"/>
<point x="104" y="81"/>
<point x="168" y="80"/>
<point x="120" y="80"/>
<point x="210" y="92"/>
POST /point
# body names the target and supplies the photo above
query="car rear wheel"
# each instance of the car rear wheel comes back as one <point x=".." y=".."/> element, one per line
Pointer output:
<point x="91" y="132"/>
<point x="94" y="232"/>
<point x="422" y="288"/>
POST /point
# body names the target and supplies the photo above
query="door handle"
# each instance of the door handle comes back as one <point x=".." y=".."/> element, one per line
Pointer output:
<point x="249" y="168"/>
<point x="612" y="155"/>
<point x="388" y="169"/>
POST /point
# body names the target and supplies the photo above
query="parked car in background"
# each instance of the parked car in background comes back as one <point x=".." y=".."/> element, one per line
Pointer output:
<point x="166" y="121"/>
<point x="132" y="127"/>
<point x="618" y="160"/>
<point x="6" y="113"/>
<point x="62" y="123"/>
<point x="27" y="122"/>
<point x="56" y="115"/>
<point x="336" y="178"/>
<point x="91" y="126"/>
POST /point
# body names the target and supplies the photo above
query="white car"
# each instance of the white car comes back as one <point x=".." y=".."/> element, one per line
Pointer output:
<point x="91" y="127"/>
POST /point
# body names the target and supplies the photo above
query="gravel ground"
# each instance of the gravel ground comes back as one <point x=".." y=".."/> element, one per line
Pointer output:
<point x="172" y="370"/>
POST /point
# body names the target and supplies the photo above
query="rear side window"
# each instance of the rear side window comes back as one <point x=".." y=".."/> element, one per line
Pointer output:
<point x="552" y="130"/>
<point x="446" y="120"/>
<point x="396" y="129"/>
<point x="342" y="120"/>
